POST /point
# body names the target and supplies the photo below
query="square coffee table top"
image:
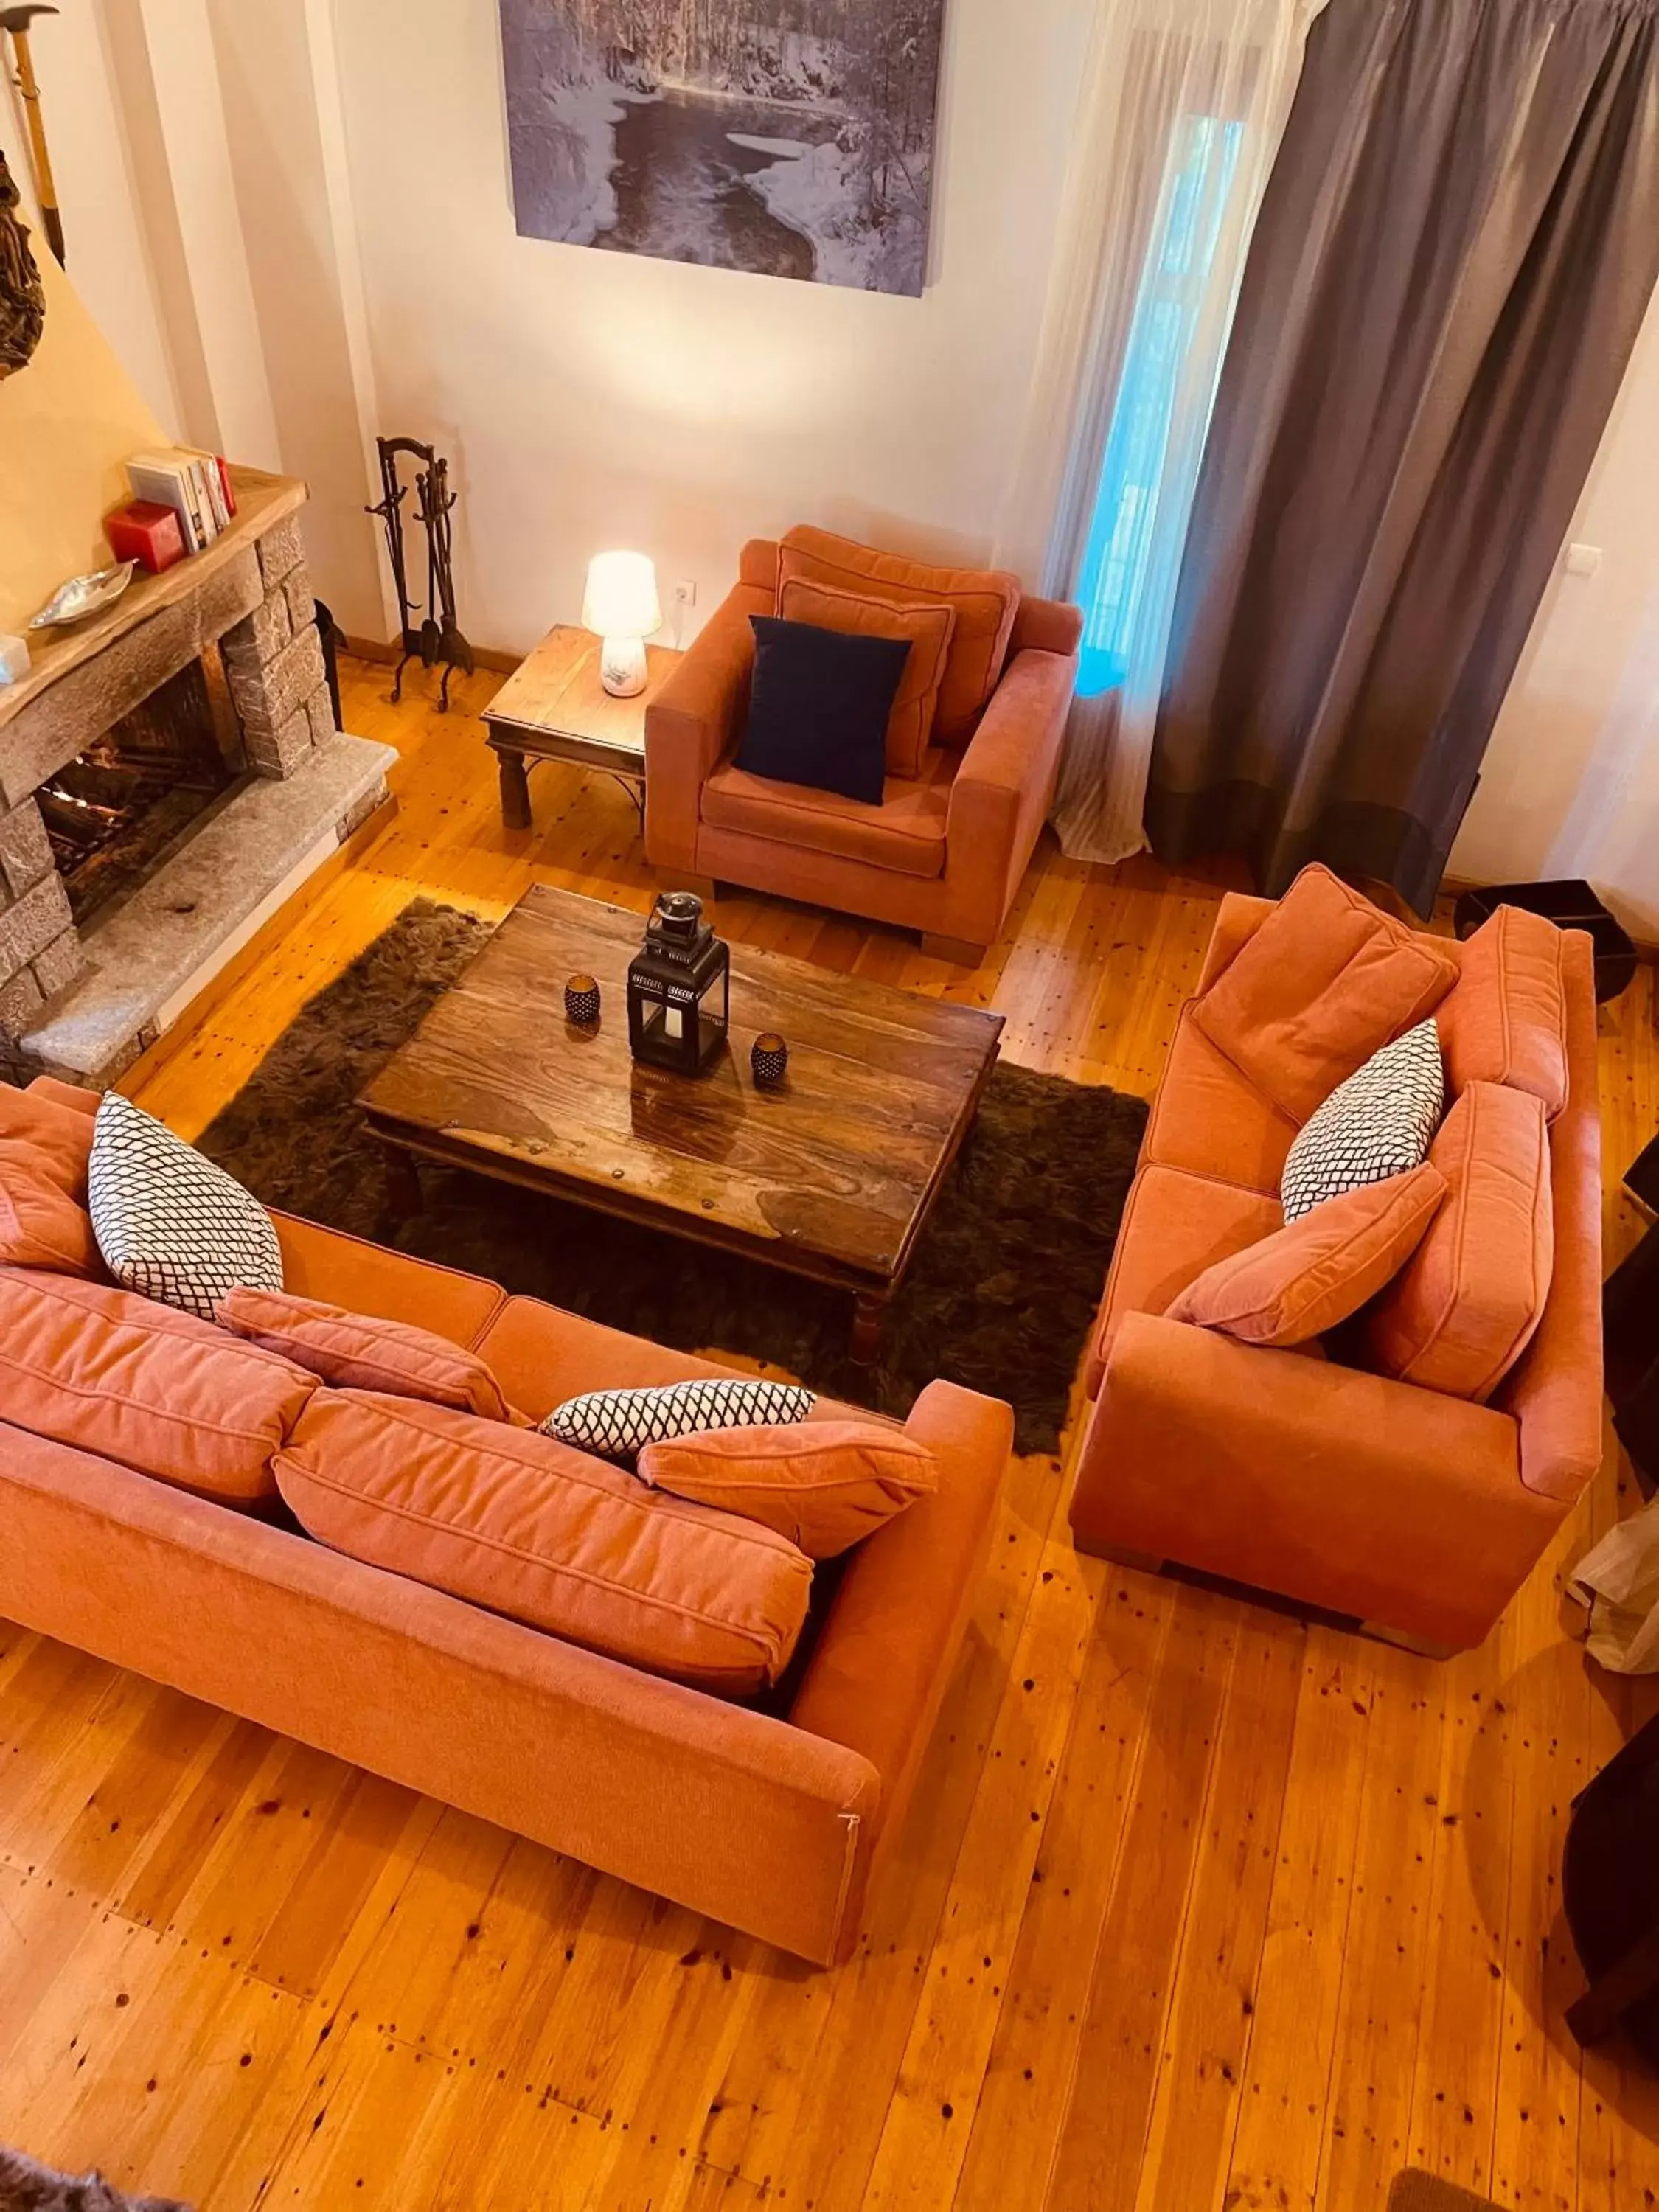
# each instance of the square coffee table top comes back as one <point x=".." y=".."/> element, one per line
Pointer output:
<point x="831" y="1175"/>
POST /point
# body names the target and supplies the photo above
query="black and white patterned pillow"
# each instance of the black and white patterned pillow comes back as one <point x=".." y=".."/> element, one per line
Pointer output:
<point x="1379" y="1123"/>
<point x="169" y="1224"/>
<point x="617" y="1424"/>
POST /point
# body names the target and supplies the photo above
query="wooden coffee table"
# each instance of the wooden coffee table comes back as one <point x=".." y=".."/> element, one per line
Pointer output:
<point x="830" y="1176"/>
<point x="553" y="707"/>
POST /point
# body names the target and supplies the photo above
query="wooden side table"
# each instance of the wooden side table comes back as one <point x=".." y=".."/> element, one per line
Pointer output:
<point x="553" y="707"/>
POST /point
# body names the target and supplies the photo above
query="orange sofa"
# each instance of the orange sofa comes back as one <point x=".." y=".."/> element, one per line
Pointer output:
<point x="944" y="852"/>
<point x="773" y="1824"/>
<point x="1418" y="1514"/>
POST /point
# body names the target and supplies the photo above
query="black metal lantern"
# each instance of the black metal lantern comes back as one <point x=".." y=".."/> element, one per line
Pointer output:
<point x="679" y="988"/>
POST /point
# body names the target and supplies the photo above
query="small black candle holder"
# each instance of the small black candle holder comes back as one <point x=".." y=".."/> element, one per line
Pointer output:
<point x="768" y="1056"/>
<point x="581" y="1001"/>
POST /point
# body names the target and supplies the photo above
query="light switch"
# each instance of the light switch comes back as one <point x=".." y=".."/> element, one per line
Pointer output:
<point x="1583" y="560"/>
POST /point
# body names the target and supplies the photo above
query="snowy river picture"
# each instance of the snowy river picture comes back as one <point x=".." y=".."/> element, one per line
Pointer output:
<point x="789" y="138"/>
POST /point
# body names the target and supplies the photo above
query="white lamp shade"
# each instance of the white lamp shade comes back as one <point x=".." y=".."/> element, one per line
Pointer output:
<point x="621" y="596"/>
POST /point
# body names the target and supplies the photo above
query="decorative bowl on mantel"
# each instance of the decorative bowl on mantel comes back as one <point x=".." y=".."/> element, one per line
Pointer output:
<point x="84" y="595"/>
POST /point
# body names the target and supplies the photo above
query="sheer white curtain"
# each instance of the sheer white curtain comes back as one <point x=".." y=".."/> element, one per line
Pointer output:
<point x="1181" y="114"/>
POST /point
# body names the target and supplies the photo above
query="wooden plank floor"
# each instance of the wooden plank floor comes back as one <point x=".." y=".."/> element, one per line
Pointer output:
<point x="1199" y="1906"/>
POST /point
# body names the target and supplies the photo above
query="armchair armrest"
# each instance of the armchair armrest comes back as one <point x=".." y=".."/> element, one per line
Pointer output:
<point x="1000" y="797"/>
<point x="1346" y="1490"/>
<point x="691" y="723"/>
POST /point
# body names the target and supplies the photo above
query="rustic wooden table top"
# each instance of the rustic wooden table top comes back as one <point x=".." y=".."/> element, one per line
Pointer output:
<point x="556" y="703"/>
<point x="831" y="1175"/>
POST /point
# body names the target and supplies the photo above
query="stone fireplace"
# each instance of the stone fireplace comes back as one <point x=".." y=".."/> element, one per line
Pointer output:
<point x="170" y="773"/>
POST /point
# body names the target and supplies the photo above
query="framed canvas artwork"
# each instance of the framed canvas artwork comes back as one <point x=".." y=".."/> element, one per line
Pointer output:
<point x="790" y="137"/>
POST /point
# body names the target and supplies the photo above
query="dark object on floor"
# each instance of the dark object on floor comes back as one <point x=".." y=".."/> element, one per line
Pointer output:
<point x="1569" y="904"/>
<point x="26" y="2187"/>
<point x="1417" y="2191"/>
<point x="333" y="641"/>
<point x="439" y="636"/>
<point x="1629" y="1322"/>
<point x="1000" y="1295"/>
<point x="1609" y="1894"/>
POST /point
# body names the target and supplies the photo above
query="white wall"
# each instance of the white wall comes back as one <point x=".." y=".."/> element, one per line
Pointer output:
<point x="590" y="399"/>
<point x="1570" y="786"/>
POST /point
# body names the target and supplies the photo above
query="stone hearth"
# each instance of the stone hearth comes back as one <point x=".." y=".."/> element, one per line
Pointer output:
<point x="84" y="1006"/>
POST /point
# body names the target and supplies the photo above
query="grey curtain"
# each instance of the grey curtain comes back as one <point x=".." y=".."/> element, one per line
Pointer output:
<point x="1457" y="245"/>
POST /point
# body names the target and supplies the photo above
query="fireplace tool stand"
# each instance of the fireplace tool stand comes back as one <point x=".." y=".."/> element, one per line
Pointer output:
<point x="438" y="636"/>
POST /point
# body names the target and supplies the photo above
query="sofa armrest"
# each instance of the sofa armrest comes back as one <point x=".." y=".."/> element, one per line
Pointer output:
<point x="999" y="799"/>
<point x="1342" y="1489"/>
<point x="692" y="723"/>
<point x="874" y="1682"/>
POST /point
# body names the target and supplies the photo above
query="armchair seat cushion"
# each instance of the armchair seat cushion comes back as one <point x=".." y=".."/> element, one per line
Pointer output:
<point x="905" y="833"/>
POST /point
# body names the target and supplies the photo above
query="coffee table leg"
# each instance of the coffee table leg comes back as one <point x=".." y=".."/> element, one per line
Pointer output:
<point x="402" y="1185"/>
<point x="869" y="1319"/>
<point x="515" y="791"/>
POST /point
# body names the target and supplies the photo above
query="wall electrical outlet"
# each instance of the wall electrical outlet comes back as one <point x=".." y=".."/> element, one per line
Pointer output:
<point x="685" y="593"/>
<point x="1583" y="560"/>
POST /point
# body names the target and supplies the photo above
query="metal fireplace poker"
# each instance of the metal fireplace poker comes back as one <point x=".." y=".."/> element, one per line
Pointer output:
<point x="438" y="637"/>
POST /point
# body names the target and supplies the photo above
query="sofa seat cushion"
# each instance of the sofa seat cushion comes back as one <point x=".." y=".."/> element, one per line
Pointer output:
<point x="927" y="629"/>
<point x="1209" y="1120"/>
<point x="369" y="1279"/>
<point x="158" y="1390"/>
<point x="1465" y="1306"/>
<point x="1325" y="980"/>
<point x="824" y="1484"/>
<point x="360" y="1352"/>
<point x="985" y="603"/>
<point x="1319" y="1270"/>
<point x="905" y="833"/>
<point x="1174" y="1226"/>
<point x="1506" y="1022"/>
<point x="512" y="1521"/>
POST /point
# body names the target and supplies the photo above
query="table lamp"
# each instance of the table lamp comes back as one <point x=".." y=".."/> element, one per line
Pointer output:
<point x="621" y="606"/>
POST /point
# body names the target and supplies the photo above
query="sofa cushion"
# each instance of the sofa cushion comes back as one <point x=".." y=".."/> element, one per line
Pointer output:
<point x="819" y="704"/>
<point x="619" y="1424"/>
<point x="170" y="1224"/>
<point x="1316" y="1272"/>
<point x="512" y="1520"/>
<point x="985" y="602"/>
<point x="1208" y="1120"/>
<point x="1175" y="1225"/>
<point x="1378" y="1124"/>
<point x="905" y="833"/>
<point x="42" y="1119"/>
<point x="359" y="1351"/>
<point x="1465" y="1307"/>
<point x="159" y="1391"/>
<point x="1506" y="1022"/>
<point x="40" y="1225"/>
<point x="824" y="1484"/>
<point x="1323" y="982"/>
<point x="927" y="631"/>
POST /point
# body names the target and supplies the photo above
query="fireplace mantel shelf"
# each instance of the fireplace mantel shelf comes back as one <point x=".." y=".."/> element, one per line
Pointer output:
<point x="262" y="502"/>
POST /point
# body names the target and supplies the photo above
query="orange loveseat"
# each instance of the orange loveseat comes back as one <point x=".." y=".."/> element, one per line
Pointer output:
<point x="947" y="850"/>
<point x="772" y="1825"/>
<point x="1419" y="1514"/>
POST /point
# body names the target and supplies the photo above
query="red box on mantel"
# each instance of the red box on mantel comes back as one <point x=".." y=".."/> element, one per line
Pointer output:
<point x="145" y="532"/>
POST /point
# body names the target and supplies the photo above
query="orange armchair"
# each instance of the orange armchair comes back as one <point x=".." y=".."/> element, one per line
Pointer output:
<point x="944" y="854"/>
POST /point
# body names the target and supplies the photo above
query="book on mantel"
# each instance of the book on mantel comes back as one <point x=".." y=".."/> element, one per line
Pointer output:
<point x="195" y="485"/>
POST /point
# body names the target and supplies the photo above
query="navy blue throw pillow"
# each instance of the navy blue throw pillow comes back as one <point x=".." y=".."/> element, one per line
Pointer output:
<point x="819" y="705"/>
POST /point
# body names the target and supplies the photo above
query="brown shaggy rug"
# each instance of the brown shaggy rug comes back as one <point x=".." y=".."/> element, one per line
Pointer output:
<point x="1005" y="1282"/>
